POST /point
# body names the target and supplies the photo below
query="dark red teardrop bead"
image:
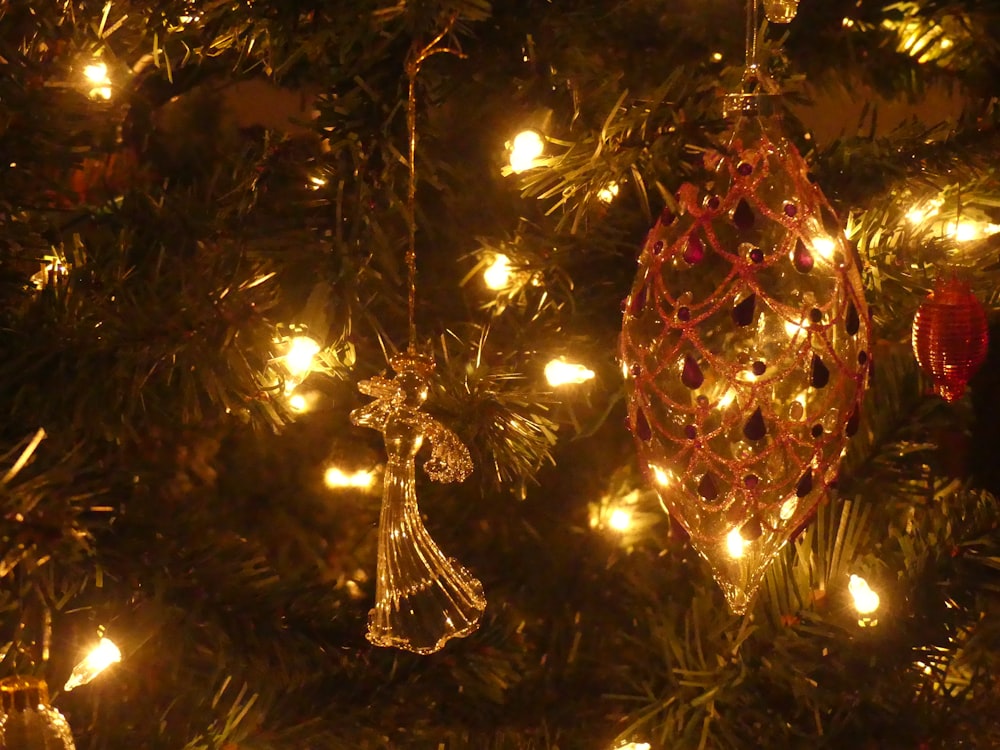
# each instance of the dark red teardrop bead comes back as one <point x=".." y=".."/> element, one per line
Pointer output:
<point x="755" y="428"/>
<point x="820" y="375"/>
<point x="743" y="312"/>
<point x="691" y="374"/>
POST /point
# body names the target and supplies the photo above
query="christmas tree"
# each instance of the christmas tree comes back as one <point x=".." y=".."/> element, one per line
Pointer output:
<point x="223" y="217"/>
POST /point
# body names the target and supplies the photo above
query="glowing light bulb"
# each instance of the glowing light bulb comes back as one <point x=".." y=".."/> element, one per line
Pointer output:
<point x="297" y="402"/>
<point x="608" y="193"/>
<point x="97" y="74"/>
<point x="336" y="478"/>
<point x="620" y="519"/>
<point x="788" y="508"/>
<point x="963" y="230"/>
<point x="847" y="22"/>
<point x="662" y="477"/>
<point x="920" y="213"/>
<point x="824" y="246"/>
<point x="316" y="182"/>
<point x="634" y="746"/>
<point x="946" y="43"/>
<point x="526" y="147"/>
<point x="727" y="399"/>
<point x="866" y="601"/>
<point x="497" y="274"/>
<point x="716" y="57"/>
<point x="794" y="329"/>
<point x="559" y="372"/>
<point x="735" y="544"/>
<point x="102" y="656"/>
<point x="299" y="359"/>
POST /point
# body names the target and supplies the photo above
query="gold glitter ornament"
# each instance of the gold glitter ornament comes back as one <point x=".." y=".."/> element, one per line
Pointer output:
<point x="422" y="597"/>
<point x="746" y="342"/>
<point x="29" y="722"/>
<point x="781" y="11"/>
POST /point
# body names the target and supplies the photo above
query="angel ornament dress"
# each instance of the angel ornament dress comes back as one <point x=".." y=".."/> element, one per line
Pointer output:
<point x="422" y="597"/>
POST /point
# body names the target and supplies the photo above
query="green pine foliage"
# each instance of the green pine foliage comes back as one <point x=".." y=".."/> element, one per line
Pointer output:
<point x="247" y="173"/>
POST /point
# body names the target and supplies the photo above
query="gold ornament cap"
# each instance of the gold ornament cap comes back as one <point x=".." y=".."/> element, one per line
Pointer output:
<point x="759" y="96"/>
<point x="23" y="693"/>
<point x="413" y="360"/>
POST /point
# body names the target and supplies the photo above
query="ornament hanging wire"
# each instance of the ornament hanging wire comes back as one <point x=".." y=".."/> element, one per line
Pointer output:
<point x="416" y="59"/>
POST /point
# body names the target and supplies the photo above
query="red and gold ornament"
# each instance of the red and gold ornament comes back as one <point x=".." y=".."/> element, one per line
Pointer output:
<point x="746" y="342"/>
<point x="950" y="336"/>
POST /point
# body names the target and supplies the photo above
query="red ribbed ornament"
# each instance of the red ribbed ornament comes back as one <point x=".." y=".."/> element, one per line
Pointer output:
<point x="950" y="337"/>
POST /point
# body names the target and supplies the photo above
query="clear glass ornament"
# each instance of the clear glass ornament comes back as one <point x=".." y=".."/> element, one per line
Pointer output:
<point x="781" y="11"/>
<point x="422" y="597"/>
<point x="29" y="722"/>
<point x="746" y="340"/>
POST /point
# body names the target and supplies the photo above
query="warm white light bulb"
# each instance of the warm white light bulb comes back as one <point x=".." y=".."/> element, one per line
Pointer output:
<point x="336" y="478"/>
<point x="525" y="148"/>
<point x="866" y="601"/>
<point x="299" y="358"/>
<point x="497" y="274"/>
<point x="102" y="656"/>
<point x="608" y="193"/>
<point x="662" y="477"/>
<point x="966" y="231"/>
<point x="794" y="329"/>
<point x="316" y="182"/>
<point x="559" y="372"/>
<point x="735" y="544"/>
<point x="825" y="247"/>
<point x="788" y="508"/>
<point x="96" y="73"/>
<point x="635" y="746"/>
<point x="922" y="212"/>
<point x="620" y="519"/>
<point x="727" y="399"/>
<point x="297" y="402"/>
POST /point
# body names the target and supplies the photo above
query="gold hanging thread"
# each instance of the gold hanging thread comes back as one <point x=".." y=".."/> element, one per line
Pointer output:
<point x="415" y="60"/>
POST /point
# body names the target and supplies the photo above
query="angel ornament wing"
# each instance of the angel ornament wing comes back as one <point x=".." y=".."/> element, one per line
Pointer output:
<point x="422" y="597"/>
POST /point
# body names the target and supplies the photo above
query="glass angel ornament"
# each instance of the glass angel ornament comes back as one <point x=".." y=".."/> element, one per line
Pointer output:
<point x="422" y="597"/>
<point x="746" y="342"/>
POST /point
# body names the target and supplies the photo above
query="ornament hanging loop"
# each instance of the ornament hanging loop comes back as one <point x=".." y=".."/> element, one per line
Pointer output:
<point x="751" y="38"/>
<point x="757" y="95"/>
